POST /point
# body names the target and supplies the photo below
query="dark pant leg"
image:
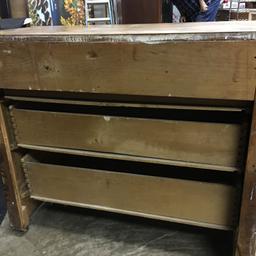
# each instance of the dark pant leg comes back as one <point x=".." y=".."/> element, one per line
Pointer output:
<point x="210" y="14"/>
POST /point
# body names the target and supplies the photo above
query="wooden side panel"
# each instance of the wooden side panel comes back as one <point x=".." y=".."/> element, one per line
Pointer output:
<point x="201" y="142"/>
<point x="206" y="204"/>
<point x="19" y="205"/>
<point x="14" y="209"/>
<point x="215" y="70"/>
<point x="246" y="245"/>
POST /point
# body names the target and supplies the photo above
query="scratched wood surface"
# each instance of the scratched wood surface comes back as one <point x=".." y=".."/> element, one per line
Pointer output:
<point x="237" y="27"/>
<point x="215" y="70"/>
<point x="198" y="142"/>
<point x="144" y="59"/>
<point x="192" y="202"/>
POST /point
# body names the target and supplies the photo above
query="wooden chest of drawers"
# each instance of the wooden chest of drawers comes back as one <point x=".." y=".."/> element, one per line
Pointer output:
<point x="155" y="121"/>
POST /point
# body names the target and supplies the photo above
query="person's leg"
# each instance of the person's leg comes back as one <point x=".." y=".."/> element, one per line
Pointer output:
<point x="188" y="8"/>
<point x="210" y="14"/>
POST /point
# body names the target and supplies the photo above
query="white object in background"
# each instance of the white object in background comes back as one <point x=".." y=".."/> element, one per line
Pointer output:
<point x="176" y="15"/>
<point x="107" y="3"/>
<point x="27" y="21"/>
<point x="234" y="5"/>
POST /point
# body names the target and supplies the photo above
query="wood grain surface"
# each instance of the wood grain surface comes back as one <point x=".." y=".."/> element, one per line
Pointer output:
<point x="237" y="27"/>
<point x="188" y="141"/>
<point x="20" y="205"/>
<point x="190" y="201"/>
<point x="209" y="70"/>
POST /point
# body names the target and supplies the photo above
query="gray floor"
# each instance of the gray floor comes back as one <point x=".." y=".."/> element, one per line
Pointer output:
<point x="61" y="231"/>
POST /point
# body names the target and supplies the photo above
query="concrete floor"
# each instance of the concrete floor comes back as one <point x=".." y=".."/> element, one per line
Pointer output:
<point x="60" y="231"/>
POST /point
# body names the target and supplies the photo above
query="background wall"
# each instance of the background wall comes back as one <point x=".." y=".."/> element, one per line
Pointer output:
<point x="18" y="8"/>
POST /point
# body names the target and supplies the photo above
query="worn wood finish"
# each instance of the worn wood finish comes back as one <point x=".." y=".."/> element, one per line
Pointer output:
<point x="156" y="63"/>
<point x="136" y="69"/>
<point x="14" y="210"/>
<point x="200" y="142"/>
<point x="40" y="63"/>
<point x="172" y="198"/>
<point x="20" y="206"/>
<point x="186" y="31"/>
<point x="246" y="245"/>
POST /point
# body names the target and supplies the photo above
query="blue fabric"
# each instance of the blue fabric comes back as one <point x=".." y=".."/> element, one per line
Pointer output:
<point x="190" y="9"/>
<point x="210" y="14"/>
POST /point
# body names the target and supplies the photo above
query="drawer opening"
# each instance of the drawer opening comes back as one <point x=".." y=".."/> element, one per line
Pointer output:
<point x="47" y="96"/>
<point x="138" y="168"/>
<point x="209" y="115"/>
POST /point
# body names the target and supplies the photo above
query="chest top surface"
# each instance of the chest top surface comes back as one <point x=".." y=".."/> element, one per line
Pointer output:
<point x="241" y="30"/>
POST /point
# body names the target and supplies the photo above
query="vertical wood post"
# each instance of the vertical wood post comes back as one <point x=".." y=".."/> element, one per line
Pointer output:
<point x="19" y="204"/>
<point x="246" y="243"/>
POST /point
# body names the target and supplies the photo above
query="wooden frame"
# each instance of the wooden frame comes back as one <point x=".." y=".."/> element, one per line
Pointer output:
<point x="124" y="76"/>
<point x="19" y="205"/>
<point x="246" y="244"/>
<point x="135" y="49"/>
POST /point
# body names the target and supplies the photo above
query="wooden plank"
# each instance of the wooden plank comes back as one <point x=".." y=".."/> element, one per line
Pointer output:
<point x="200" y="142"/>
<point x="19" y="205"/>
<point x="140" y="159"/>
<point x="192" y="31"/>
<point x="132" y="68"/>
<point x="189" y="201"/>
<point x="14" y="210"/>
<point x="246" y="244"/>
